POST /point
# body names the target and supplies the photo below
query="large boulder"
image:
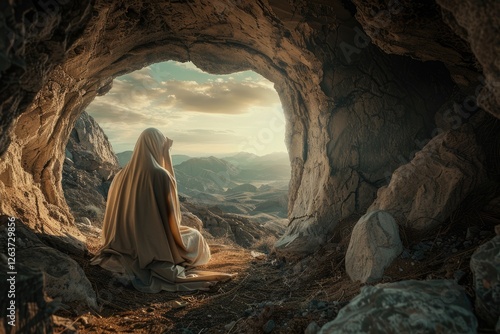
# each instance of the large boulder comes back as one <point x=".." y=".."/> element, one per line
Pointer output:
<point x="64" y="278"/>
<point x="374" y="244"/>
<point x="485" y="265"/>
<point x="88" y="170"/>
<point x="438" y="306"/>
<point x="423" y="193"/>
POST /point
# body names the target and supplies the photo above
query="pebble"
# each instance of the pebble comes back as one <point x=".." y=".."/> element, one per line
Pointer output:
<point x="230" y="325"/>
<point x="418" y="255"/>
<point x="484" y="233"/>
<point x="458" y="275"/>
<point x="406" y="254"/>
<point x="269" y="326"/>
<point x="321" y="305"/>
<point x="312" y="328"/>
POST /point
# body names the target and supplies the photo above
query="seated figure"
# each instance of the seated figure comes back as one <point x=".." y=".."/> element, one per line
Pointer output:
<point x="142" y="232"/>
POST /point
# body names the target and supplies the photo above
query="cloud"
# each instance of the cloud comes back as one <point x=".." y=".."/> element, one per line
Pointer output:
<point x="149" y="98"/>
<point x="139" y="93"/>
<point x="226" y="97"/>
<point x="204" y="136"/>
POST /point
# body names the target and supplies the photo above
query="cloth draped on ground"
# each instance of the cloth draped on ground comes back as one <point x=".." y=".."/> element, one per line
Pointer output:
<point x="142" y="231"/>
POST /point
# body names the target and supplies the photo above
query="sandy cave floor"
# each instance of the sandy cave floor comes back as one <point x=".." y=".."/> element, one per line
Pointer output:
<point x="270" y="293"/>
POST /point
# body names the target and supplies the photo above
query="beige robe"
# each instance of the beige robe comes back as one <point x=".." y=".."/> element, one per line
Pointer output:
<point x="142" y="234"/>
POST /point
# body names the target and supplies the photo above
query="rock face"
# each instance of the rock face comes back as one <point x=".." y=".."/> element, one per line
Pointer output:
<point x="485" y="264"/>
<point x="88" y="170"/>
<point x="374" y="245"/>
<point x="351" y="108"/>
<point x="64" y="278"/>
<point x="424" y="193"/>
<point x="244" y="231"/>
<point x="438" y="306"/>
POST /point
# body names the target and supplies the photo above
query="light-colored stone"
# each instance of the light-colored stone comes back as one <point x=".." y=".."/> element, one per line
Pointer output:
<point x="374" y="244"/>
<point x="485" y="265"/>
<point x="423" y="193"/>
<point x="438" y="306"/>
<point x="189" y="219"/>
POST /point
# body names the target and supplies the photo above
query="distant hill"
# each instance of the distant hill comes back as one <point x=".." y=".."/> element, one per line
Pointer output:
<point x="198" y="166"/>
<point x="216" y="175"/>
<point x="205" y="174"/>
<point x="124" y="158"/>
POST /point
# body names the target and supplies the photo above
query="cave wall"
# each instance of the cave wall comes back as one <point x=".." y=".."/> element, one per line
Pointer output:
<point x="353" y="112"/>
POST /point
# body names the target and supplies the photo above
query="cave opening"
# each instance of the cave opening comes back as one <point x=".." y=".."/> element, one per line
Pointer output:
<point x="229" y="152"/>
<point x="360" y="87"/>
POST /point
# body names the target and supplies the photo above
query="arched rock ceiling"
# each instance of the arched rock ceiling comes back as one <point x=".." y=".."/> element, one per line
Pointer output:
<point x="353" y="107"/>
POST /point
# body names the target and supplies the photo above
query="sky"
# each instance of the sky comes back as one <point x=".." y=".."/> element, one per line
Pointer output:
<point x="203" y="114"/>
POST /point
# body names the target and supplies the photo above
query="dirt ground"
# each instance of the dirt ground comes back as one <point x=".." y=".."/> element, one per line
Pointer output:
<point x="267" y="295"/>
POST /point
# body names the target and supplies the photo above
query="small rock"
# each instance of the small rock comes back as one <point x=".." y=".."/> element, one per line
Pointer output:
<point x="269" y="326"/>
<point x="313" y="304"/>
<point x="258" y="255"/>
<point x="471" y="232"/>
<point x="179" y="304"/>
<point x="321" y="305"/>
<point x="458" y="275"/>
<point x="312" y="328"/>
<point x="230" y="325"/>
<point x="406" y="254"/>
<point x="418" y="255"/>
<point x="484" y="234"/>
<point x="484" y="266"/>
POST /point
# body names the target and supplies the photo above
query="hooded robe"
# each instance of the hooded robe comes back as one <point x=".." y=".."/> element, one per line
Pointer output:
<point x="142" y="231"/>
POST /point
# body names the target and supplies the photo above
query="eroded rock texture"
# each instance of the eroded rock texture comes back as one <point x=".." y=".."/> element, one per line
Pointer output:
<point x="354" y="112"/>
<point x="88" y="170"/>
<point x="406" y="307"/>
<point x="374" y="244"/>
<point x="63" y="277"/>
<point x="485" y="264"/>
<point x="425" y="192"/>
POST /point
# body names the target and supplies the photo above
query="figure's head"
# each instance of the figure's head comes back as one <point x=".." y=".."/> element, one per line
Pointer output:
<point x="153" y="141"/>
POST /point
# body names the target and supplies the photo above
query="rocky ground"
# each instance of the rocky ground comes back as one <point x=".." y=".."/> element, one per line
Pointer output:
<point x="270" y="294"/>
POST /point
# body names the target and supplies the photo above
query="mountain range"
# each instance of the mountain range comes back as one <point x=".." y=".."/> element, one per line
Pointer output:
<point x="243" y="183"/>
